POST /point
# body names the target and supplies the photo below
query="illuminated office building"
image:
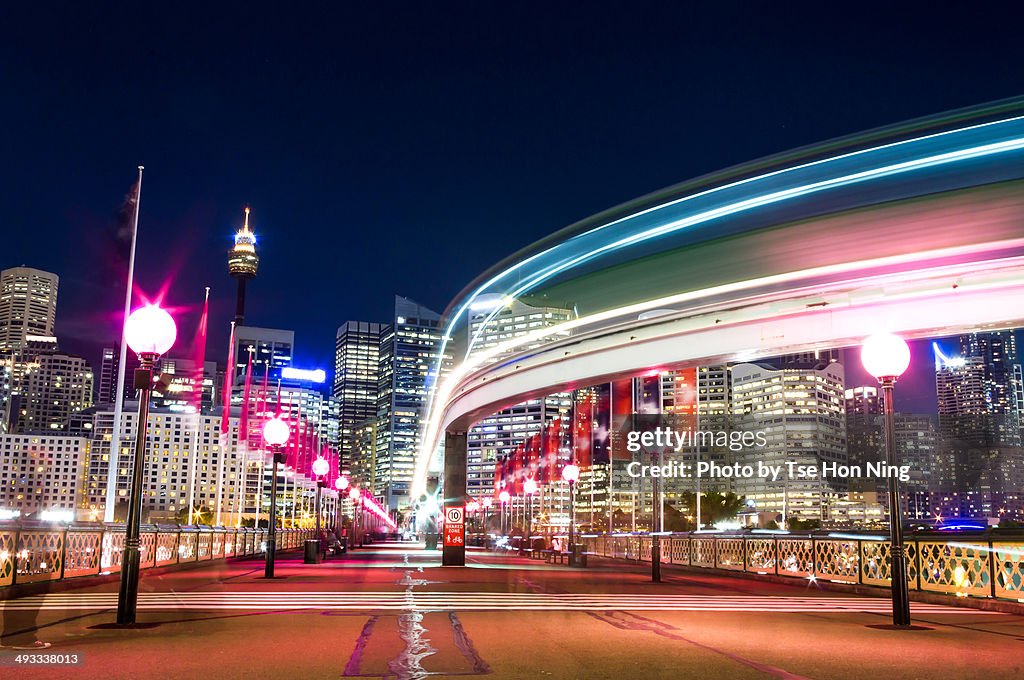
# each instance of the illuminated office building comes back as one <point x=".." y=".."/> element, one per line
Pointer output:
<point x="356" y="382"/>
<point x="271" y="350"/>
<point x="409" y="367"/>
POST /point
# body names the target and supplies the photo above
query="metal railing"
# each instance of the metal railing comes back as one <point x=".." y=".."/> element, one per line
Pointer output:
<point x="32" y="553"/>
<point x="982" y="564"/>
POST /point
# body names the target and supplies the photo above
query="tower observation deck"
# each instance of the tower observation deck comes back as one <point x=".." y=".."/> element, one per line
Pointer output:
<point x="242" y="264"/>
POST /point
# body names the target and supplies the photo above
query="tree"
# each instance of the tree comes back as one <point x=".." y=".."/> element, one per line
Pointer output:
<point x="676" y="520"/>
<point x="797" y="524"/>
<point x="203" y="515"/>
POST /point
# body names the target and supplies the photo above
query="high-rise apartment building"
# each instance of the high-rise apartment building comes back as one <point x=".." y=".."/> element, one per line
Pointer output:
<point x="356" y="381"/>
<point x="802" y="416"/>
<point x="185" y="458"/>
<point x="28" y="305"/>
<point x="42" y="473"/>
<point x="53" y="387"/>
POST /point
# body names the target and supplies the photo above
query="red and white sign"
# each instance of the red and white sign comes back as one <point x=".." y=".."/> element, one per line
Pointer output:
<point x="455" y="527"/>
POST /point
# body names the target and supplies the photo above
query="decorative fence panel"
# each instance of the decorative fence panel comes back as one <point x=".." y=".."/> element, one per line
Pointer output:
<point x="33" y="553"/>
<point x="963" y="566"/>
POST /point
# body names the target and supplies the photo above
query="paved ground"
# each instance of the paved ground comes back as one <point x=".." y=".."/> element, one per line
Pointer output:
<point x="393" y="612"/>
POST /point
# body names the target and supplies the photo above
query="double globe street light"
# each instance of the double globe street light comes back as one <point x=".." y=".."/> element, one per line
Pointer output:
<point x="150" y="332"/>
<point x="275" y="434"/>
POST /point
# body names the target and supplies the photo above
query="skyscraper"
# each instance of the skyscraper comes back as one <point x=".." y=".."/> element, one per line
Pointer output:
<point x="28" y="305"/>
<point x="981" y="464"/>
<point x="409" y="370"/>
<point x="242" y="265"/>
<point x="998" y="354"/>
<point x="801" y="413"/>
<point x="356" y="381"/>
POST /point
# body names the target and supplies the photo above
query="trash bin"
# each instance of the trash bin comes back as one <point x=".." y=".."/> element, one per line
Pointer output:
<point x="577" y="556"/>
<point x="312" y="551"/>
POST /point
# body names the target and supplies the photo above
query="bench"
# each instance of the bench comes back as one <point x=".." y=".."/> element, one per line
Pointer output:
<point x="554" y="556"/>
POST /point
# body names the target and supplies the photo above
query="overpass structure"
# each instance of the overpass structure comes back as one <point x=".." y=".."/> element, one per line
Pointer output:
<point x="916" y="229"/>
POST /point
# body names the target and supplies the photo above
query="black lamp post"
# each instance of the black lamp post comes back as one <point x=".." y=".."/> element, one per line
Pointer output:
<point x="886" y="357"/>
<point x="149" y="331"/>
<point x="275" y="433"/>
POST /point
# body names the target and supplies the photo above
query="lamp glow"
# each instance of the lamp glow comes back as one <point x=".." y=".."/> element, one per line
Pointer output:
<point x="150" y="330"/>
<point x="504" y="497"/>
<point x="321" y="467"/>
<point x="571" y="473"/>
<point x="275" y="432"/>
<point x="530" y="486"/>
<point x="341" y="483"/>
<point x="885" y="355"/>
<point x="487" y="501"/>
<point x="353" y="493"/>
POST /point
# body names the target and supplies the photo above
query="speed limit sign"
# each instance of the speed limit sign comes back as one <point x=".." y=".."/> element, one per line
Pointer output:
<point x="453" y="515"/>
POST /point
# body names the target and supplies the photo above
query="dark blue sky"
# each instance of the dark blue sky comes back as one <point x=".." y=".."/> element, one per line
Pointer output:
<point x="404" y="147"/>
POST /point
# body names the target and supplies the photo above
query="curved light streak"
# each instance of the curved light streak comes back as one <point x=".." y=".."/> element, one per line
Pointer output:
<point x="440" y="394"/>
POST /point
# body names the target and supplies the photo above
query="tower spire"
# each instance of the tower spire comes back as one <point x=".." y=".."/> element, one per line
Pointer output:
<point x="245" y="227"/>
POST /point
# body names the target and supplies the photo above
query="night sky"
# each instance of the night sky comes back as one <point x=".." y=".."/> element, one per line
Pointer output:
<point x="404" y="147"/>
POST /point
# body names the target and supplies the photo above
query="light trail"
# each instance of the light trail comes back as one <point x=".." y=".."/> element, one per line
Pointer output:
<point x="440" y="394"/>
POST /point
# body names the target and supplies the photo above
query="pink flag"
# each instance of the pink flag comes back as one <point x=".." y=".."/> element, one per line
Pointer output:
<point x="243" y="421"/>
<point x="199" y="356"/>
<point x="229" y="379"/>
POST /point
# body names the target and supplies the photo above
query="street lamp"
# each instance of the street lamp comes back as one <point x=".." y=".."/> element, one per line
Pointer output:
<point x="355" y="495"/>
<point x="275" y="433"/>
<point x="886" y="357"/>
<point x="530" y="488"/>
<point x="504" y="497"/>
<point x="149" y="331"/>
<point x="571" y="474"/>
<point x="320" y="468"/>
<point x="487" y="502"/>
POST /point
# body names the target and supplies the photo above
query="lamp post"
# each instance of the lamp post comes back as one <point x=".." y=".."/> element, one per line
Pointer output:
<point x="504" y="497"/>
<point x="275" y="433"/>
<point x="571" y="474"/>
<point x="487" y="502"/>
<point x="149" y="331"/>
<point x="341" y="483"/>
<point x="355" y="495"/>
<point x="320" y="468"/>
<point x="530" y="488"/>
<point x="886" y="357"/>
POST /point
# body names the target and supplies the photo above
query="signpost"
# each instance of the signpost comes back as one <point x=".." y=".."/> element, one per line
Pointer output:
<point x="455" y="527"/>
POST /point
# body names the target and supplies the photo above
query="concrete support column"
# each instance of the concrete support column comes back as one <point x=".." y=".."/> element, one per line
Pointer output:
<point x="455" y="446"/>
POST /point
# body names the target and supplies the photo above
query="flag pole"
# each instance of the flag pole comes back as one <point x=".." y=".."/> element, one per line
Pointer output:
<point x="115" y="443"/>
